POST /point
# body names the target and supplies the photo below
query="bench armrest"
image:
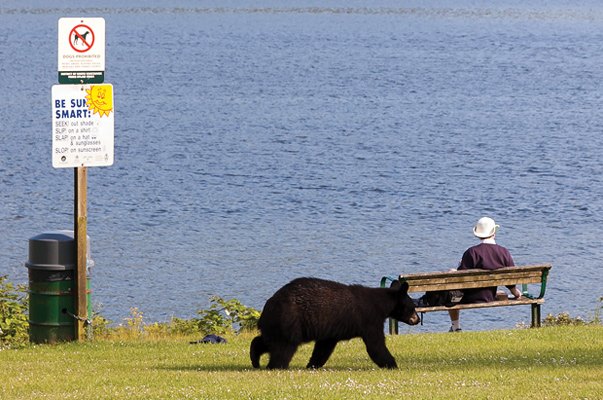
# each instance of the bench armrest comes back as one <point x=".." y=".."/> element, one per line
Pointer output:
<point x="524" y="289"/>
<point x="387" y="278"/>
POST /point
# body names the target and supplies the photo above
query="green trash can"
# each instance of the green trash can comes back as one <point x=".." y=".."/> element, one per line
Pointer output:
<point x="52" y="265"/>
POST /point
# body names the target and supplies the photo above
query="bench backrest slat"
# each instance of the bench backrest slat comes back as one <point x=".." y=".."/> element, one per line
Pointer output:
<point x="466" y="279"/>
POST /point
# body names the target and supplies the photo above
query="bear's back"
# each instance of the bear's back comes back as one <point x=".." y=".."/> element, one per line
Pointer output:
<point x="311" y="308"/>
<point x="312" y="293"/>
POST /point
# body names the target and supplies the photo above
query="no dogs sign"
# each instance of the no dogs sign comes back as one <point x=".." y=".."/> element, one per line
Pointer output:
<point x="81" y="50"/>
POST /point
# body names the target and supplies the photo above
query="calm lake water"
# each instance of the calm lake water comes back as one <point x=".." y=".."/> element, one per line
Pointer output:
<point x="256" y="143"/>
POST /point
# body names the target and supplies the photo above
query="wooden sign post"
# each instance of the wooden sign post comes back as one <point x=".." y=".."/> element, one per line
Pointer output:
<point x="80" y="232"/>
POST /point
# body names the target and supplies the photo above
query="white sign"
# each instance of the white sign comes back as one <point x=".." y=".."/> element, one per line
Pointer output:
<point x="81" y="50"/>
<point x="82" y="125"/>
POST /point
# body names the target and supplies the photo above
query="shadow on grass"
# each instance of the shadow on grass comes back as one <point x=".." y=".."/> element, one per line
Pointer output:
<point x="542" y="358"/>
<point x="248" y="368"/>
<point x="207" y="368"/>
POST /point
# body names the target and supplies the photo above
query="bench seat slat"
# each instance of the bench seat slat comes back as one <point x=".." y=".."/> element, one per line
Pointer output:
<point x="429" y="286"/>
<point x="498" y="303"/>
<point x="453" y="277"/>
<point x="466" y="279"/>
<point x="476" y="272"/>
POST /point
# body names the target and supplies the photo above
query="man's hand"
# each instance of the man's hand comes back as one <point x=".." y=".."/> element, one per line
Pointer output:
<point x="515" y="292"/>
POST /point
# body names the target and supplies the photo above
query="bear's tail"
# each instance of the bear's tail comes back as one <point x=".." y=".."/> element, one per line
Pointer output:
<point x="257" y="348"/>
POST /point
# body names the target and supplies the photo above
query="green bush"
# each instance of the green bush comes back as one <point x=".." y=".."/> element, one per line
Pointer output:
<point x="597" y="317"/>
<point x="178" y="326"/>
<point x="223" y="317"/>
<point x="100" y="326"/>
<point x="226" y="316"/>
<point x="14" y="325"/>
<point x="564" y="319"/>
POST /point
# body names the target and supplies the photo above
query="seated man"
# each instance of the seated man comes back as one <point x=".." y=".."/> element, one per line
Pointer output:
<point x="485" y="255"/>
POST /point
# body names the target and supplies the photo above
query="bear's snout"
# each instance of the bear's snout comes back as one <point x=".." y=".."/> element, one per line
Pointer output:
<point x="414" y="319"/>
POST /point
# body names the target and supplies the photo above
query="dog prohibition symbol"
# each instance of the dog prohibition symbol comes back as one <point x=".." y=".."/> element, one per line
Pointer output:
<point x="312" y="309"/>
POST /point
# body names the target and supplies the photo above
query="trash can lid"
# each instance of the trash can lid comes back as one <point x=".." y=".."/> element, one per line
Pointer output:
<point x="53" y="251"/>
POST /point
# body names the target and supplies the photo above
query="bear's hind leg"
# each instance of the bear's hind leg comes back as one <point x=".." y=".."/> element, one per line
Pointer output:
<point x="256" y="349"/>
<point x="281" y="355"/>
<point x="322" y="351"/>
<point x="375" y="346"/>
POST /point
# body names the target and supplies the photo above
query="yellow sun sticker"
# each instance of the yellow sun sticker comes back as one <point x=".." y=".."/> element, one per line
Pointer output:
<point x="100" y="99"/>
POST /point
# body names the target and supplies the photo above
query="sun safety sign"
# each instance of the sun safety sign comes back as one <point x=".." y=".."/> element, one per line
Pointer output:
<point x="82" y="125"/>
<point x="81" y="50"/>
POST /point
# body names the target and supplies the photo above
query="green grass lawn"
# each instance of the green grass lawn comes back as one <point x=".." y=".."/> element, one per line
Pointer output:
<point x="546" y="363"/>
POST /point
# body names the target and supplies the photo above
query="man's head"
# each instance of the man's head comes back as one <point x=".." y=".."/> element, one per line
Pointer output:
<point x="485" y="228"/>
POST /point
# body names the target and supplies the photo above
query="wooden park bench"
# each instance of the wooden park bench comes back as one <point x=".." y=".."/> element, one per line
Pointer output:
<point x="477" y="278"/>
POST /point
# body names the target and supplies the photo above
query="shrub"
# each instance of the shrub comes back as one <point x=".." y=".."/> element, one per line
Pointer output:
<point x="225" y="316"/>
<point x="14" y="325"/>
<point x="221" y="318"/>
<point x="563" y="319"/>
<point x="180" y="326"/>
<point x="134" y="325"/>
<point x="597" y="316"/>
<point x="100" y="326"/>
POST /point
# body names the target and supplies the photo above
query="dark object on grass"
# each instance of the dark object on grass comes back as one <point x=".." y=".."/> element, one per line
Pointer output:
<point x="312" y="309"/>
<point x="213" y="339"/>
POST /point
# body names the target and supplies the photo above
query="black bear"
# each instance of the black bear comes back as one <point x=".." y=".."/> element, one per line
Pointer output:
<point x="308" y="309"/>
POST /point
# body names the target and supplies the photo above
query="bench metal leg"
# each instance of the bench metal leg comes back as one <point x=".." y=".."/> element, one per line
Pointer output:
<point x="393" y="326"/>
<point x="535" y="315"/>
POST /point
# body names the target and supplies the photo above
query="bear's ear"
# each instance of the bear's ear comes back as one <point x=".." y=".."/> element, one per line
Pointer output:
<point x="404" y="287"/>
